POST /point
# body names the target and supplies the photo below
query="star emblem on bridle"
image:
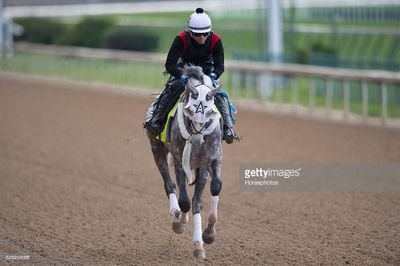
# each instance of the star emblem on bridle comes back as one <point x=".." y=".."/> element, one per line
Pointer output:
<point x="200" y="108"/>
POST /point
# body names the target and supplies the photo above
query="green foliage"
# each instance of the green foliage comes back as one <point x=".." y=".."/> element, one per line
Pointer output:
<point x="320" y="49"/>
<point x="244" y="36"/>
<point x="89" y="32"/>
<point x="40" y="30"/>
<point x="302" y="56"/>
<point x="131" y="38"/>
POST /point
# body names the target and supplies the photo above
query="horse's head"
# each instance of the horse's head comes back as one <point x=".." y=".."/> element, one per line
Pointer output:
<point x="199" y="95"/>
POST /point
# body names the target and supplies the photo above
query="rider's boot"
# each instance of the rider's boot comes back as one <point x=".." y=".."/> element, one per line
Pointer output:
<point x="229" y="134"/>
<point x="164" y="104"/>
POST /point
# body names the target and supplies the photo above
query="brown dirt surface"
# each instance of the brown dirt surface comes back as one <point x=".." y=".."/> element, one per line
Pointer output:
<point x="79" y="187"/>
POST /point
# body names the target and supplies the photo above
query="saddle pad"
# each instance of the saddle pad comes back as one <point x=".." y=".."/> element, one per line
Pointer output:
<point x="165" y="134"/>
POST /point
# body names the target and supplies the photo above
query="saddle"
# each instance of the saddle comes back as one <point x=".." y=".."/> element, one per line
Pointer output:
<point x="165" y="135"/>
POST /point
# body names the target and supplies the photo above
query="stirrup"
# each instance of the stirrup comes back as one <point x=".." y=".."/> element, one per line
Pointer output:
<point x="229" y="138"/>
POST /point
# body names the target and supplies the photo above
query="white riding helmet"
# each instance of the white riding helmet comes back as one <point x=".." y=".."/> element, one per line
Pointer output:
<point x="199" y="22"/>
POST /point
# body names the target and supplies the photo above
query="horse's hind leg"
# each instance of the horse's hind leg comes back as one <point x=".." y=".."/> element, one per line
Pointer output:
<point x="160" y="153"/>
<point x="201" y="179"/>
<point x="215" y="187"/>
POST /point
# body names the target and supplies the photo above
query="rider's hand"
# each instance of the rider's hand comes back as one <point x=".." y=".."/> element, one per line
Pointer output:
<point x="184" y="79"/>
<point x="214" y="79"/>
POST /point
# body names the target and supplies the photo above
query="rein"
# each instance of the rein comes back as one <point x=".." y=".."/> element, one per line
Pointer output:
<point x="193" y="129"/>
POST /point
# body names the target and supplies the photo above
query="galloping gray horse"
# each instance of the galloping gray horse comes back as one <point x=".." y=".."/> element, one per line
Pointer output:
<point x="195" y="145"/>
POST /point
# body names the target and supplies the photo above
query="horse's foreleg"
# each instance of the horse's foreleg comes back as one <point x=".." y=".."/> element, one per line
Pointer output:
<point x="184" y="201"/>
<point x="201" y="179"/>
<point x="209" y="233"/>
<point x="198" y="252"/>
<point x="215" y="187"/>
<point x="181" y="216"/>
<point x="173" y="204"/>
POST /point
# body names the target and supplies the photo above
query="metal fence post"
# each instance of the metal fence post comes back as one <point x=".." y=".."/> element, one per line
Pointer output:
<point x="1" y="29"/>
<point x="311" y="99"/>
<point x="295" y="94"/>
<point x="384" y="103"/>
<point x="346" y="99"/>
<point x="364" y="100"/>
<point x="329" y="95"/>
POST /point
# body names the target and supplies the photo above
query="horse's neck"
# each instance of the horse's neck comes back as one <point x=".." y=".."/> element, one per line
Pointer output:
<point x="183" y="122"/>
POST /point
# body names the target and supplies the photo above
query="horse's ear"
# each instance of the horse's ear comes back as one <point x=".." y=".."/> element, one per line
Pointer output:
<point x="190" y="87"/>
<point x="214" y="91"/>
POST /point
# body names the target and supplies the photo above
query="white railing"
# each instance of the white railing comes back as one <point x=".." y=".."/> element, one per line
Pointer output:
<point x="292" y="72"/>
<point x="276" y="86"/>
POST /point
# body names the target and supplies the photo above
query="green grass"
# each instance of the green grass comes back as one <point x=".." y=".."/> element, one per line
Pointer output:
<point x="105" y="71"/>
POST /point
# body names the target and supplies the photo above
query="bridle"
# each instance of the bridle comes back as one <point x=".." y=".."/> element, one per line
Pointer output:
<point x="194" y="131"/>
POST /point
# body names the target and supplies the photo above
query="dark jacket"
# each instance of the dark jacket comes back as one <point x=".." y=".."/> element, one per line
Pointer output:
<point x="194" y="53"/>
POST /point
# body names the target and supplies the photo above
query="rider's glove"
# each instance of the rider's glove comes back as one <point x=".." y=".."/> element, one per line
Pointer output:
<point x="184" y="79"/>
<point x="214" y="79"/>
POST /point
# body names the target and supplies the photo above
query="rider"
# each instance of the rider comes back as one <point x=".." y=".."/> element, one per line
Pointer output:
<point x="199" y="46"/>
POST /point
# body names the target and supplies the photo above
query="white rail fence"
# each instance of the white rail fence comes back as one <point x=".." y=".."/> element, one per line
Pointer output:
<point x="326" y="93"/>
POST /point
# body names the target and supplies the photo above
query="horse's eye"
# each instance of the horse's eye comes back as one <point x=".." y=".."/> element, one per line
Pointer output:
<point x="195" y="96"/>
<point x="208" y="97"/>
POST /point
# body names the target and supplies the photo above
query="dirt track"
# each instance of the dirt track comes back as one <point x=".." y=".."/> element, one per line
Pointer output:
<point x="78" y="186"/>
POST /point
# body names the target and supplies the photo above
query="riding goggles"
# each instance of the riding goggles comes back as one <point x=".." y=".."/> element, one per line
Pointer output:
<point x="205" y="34"/>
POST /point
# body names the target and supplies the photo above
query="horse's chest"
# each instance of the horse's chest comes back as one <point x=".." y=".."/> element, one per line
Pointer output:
<point x="201" y="154"/>
<point x="205" y="153"/>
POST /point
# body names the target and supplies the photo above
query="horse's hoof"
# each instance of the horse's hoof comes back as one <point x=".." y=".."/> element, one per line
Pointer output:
<point x="209" y="234"/>
<point x="177" y="226"/>
<point x="184" y="217"/>
<point x="199" y="252"/>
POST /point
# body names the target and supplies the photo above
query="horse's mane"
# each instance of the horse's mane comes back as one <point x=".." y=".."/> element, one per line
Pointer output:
<point x="195" y="72"/>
